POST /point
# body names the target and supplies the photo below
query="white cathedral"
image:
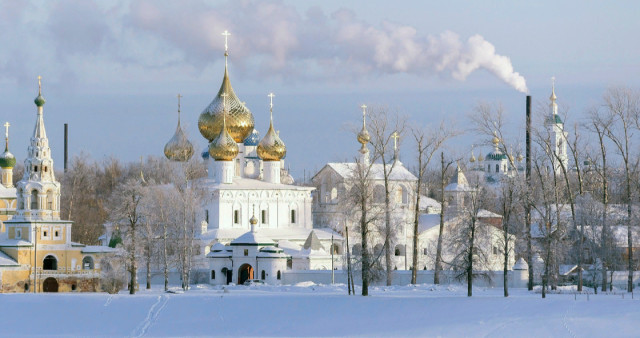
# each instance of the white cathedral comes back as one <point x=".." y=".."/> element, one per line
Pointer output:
<point x="257" y="223"/>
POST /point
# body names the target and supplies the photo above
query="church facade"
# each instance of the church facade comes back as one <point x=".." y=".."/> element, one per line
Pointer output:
<point x="247" y="183"/>
<point x="36" y="251"/>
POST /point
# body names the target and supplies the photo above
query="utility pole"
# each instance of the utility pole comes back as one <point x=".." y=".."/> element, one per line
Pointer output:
<point x="332" y="270"/>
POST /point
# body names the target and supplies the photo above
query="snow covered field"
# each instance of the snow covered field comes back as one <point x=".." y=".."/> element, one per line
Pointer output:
<point x="316" y="310"/>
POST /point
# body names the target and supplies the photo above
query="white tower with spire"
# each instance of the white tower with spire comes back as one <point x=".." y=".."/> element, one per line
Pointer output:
<point x="558" y="136"/>
<point x="38" y="192"/>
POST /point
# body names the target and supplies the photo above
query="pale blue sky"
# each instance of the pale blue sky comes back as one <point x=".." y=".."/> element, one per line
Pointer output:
<point x="112" y="69"/>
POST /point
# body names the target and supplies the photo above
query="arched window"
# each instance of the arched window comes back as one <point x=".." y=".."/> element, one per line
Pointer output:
<point x="236" y="217"/>
<point x="213" y="274"/>
<point x="289" y="263"/>
<point x="20" y="199"/>
<point x="263" y="275"/>
<point x="497" y="168"/>
<point x="356" y="250"/>
<point x="279" y="275"/>
<point x="399" y="251"/>
<point x="34" y="200"/>
<point x="334" y="194"/>
<point x="50" y="263"/>
<point x="87" y="263"/>
<point x="293" y="216"/>
<point x="263" y="217"/>
<point x="377" y="250"/>
<point x="335" y="248"/>
<point x="378" y="194"/>
<point x="50" y="199"/>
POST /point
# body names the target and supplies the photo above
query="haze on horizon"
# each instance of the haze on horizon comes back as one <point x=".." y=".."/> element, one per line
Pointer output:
<point x="113" y="70"/>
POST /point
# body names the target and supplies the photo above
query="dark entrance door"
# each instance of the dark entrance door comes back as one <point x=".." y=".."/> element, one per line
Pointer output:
<point x="245" y="272"/>
<point x="50" y="285"/>
<point x="229" y="275"/>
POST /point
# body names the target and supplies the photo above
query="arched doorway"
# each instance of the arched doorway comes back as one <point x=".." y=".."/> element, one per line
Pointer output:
<point x="50" y="263"/>
<point x="50" y="285"/>
<point x="245" y="272"/>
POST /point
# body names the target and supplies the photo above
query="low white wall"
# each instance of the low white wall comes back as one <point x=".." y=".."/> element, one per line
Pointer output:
<point x="517" y="279"/>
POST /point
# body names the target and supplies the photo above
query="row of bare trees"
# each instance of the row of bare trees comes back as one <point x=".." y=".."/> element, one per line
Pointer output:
<point x="151" y="207"/>
<point x="574" y="199"/>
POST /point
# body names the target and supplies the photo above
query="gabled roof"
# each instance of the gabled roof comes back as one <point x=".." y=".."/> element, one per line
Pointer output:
<point x="458" y="182"/>
<point x="251" y="238"/>
<point x="5" y="260"/>
<point x="345" y="170"/>
<point x="313" y="242"/>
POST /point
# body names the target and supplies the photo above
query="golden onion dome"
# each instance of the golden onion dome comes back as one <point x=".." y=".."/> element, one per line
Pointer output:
<point x="178" y="148"/>
<point x="271" y="147"/>
<point x="363" y="136"/>
<point x="223" y="147"/>
<point x="480" y="158"/>
<point x="239" y="122"/>
<point x="473" y="158"/>
<point x="495" y="139"/>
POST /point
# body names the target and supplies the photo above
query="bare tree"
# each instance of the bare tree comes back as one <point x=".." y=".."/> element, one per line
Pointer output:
<point x="428" y="141"/>
<point x="162" y="201"/>
<point x="598" y="124"/>
<point x="359" y="195"/>
<point x="443" y="205"/>
<point x="386" y="129"/>
<point x="623" y="107"/>
<point x="469" y="255"/>
<point x="127" y="212"/>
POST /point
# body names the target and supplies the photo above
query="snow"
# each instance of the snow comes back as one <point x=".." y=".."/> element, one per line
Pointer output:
<point x="5" y="260"/>
<point x="399" y="173"/>
<point x="308" y="309"/>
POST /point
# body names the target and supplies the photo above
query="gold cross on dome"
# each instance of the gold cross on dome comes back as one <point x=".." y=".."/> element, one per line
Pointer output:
<point x="226" y="36"/>
<point x="364" y="109"/>
<point x="271" y="96"/>
<point x="6" y="127"/>
<point x="395" y="138"/>
<point x="179" y="97"/>
<point x="39" y="84"/>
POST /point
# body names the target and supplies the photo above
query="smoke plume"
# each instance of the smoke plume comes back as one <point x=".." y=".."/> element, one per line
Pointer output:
<point x="269" y="39"/>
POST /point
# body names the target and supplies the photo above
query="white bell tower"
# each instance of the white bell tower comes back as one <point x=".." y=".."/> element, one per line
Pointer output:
<point x="558" y="137"/>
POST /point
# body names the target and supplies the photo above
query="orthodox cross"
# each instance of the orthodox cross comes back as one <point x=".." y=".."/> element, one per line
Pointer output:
<point x="39" y="85"/>
<point x="271" y="96"/>
<point x="226" y="36"/>
<point x="6" y="127"/>
<point x="179" y="96"/>
<point x="364" y="112"/>
<point x="226" y="47"/>
<point x="395" y="138"/>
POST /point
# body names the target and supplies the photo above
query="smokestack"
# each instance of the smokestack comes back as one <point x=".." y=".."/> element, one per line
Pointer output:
<point x="528" y="140"/>
<point x="527" y="207"/>
<point x="66" y="145"/>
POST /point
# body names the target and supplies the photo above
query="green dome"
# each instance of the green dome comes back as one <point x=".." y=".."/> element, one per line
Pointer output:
<point x="39" y="100"/>
<point x="7" y="160"/>
<point x="555" y="119"/>
<point x="496" y="156"/>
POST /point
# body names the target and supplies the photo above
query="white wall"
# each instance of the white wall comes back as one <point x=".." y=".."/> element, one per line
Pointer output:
<point x="517" y="279"/>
